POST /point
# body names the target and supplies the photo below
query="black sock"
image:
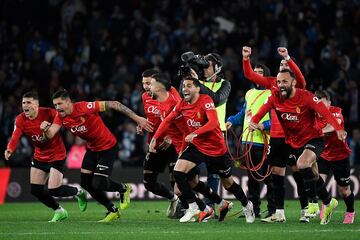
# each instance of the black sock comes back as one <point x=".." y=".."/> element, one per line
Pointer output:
<point x="309" y="183"/>
<point x="301" y="191"/>
<point x="115" y="187"/>
<point x="39" y="192"/>
<point x="63" y="191"/>
<point x="184" y="187"/>
<point x="205" y="190"/>
<point x="279" y="191"/>
<point x="322" y="192"/>
<point x="349" y="202"/>
<point x="151" y="184"/>
<point x="237" y="191"/>
<point x="97" y="194"/>
<point x="201" y="204"/>
<point x="184" y="203"/>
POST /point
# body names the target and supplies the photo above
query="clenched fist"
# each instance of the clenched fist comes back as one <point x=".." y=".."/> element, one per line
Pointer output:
<point x="246" y="52"/>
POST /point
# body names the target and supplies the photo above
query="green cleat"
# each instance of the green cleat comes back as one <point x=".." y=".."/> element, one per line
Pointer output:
<point x="60" y="214"/>
<point x="82" y="200"/>
<point x="111" y="216"/>
<point x="328" y="211"/>
<point x="125" y="197"/>
<point x="313" y="210"/>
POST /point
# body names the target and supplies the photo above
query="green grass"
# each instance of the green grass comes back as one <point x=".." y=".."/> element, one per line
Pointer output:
<point x="147" y="220"/>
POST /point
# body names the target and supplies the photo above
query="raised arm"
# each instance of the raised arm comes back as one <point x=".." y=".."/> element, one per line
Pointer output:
<point x="117" y="106"/>
<point x="300" y="80"/>
<point x="249" y="72"/>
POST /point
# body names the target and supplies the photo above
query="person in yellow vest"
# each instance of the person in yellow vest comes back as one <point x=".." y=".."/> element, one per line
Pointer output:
<point x="254" y="99"/>
<point x="218" y="89"/>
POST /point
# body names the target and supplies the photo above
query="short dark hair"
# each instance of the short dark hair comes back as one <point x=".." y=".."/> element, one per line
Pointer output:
<point x="31" y="94"/>
<point x="322" y="94"/>
<point x="62" y="93"/>
<point x="195" y="81"/>
<point x="149" y="72"/>
<point x="163" y="79"/>
<point x="264" y="68"/>
<point x="292" y="75"/>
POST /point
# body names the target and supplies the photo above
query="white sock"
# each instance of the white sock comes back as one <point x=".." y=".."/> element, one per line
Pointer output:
<point x="60" y="209"/>
<point x="193" y="206"/>
<point x="280" y="211"/>
<point x="174" y="198"/>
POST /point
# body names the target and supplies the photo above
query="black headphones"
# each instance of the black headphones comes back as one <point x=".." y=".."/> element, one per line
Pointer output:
<point x="218" y="63"/>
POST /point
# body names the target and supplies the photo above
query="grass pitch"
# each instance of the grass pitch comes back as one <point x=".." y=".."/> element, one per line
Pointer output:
<point x="147" y="220"/>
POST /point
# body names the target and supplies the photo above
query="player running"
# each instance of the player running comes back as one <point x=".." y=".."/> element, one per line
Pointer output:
<point x="84" y="121"/>
<point x="206" y="144"/>
<point x="49" y="158"/>
<point x="335" y="157"/>
<point x="296" y="109"/>
<point x="277" y="158"/>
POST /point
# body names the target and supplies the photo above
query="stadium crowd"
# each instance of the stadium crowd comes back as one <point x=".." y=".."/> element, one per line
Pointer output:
<point x="98" y="50"/>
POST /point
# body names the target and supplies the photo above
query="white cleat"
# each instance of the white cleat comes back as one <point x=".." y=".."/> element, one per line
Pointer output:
<point x="190" y="215"/>
<point x="172" y="207"/>
<point x="248" y="211"/>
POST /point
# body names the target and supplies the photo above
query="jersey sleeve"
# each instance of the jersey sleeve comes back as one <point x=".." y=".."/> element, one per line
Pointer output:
<point x="320" y="107"/>
<point x="300" y="80"/>
<point x="268" y="104"/>
<point x="92" y="107"/>
<point x="57" y="120"/>
<point x="211" y="114"/>
<point x="16" y="135"/>
<point x="175" y="93"/>
<point x="254" y="77"/>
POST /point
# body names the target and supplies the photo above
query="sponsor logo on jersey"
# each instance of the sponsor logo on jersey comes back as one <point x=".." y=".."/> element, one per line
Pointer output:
<point x="79" y="129"/>
<point x="193" y="123"/>
<point x="289" y="117"/>
<point x="153" y="110"/>
<point x="38" y="138"/>
<point x="209" y="106"/>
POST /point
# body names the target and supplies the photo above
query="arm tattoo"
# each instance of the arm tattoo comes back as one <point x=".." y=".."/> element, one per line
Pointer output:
<point x="117" y="106"/>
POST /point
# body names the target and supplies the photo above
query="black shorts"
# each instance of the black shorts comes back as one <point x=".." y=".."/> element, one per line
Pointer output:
<point x="279" y="153"/>
<point x="220" y="165"/>
<point x="340" y="169"/>
<point x="101" y="163"/>
<point x="315" y="145"/>
<point x="45" y="166"/>
<point x="156" y="162"/>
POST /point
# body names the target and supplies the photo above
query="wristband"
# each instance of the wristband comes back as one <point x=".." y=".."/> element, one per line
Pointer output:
<point x="287" y="58"/>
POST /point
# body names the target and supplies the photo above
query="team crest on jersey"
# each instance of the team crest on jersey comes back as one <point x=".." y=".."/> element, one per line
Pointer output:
<point x="298" y="110"/>
<point x="198" y="115"/>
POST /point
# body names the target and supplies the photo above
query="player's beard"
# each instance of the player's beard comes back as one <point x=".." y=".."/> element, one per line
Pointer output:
<point x="285" y="92"/>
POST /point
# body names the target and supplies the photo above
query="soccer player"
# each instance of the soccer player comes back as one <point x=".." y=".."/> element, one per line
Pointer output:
<point x="335" y="158"/>
<point x="277" y="158"/>
<point x="84" y="121"/>
<point x="296" y="109"/>
<point x="254" y="99"/>
<point x="158" y="100"/>
<point x="49" y="158"/>
<point x="206" y="144"/>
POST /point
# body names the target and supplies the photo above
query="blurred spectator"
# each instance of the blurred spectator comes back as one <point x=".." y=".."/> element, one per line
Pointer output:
<point x="355" y="147"/>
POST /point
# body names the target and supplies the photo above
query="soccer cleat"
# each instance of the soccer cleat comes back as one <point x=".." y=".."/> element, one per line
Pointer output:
<point x="276" y="217"/>
<point x="190" y="215"/>
<point x="172" y="207"/>
<point x="125" y="197"/>
<point x="224" y="210"/>
<point x="321" y="215"/>
<point x="328" y="211"/>
<point x="248" y="211"/>
<point x="312" y="210"/>
<point x="60" y="214"/>
<point x="349" y="218"/>
<point x="303" y="217"/>
<point x="82" y="200"/>
<point x="111" y="216"/>
<point x="206" y="215"/>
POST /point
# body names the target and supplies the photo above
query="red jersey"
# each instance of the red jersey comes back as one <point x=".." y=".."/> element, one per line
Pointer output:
<point x="335" y="149"/>
<point x="200" y="118"/>
<point x="276" y="130"/>
<point x="86" y="123"/>
<point x="297" y="116"/>
<point x="157" y="111"/>
<point x="46" y="150"/>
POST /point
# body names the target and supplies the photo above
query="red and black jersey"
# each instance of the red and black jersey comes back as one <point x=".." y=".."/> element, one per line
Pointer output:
<point x="46" y="150"/>
<point x="199" y="118"/>
<point x="297" y="116"/>
<point x="86" y="123"/>
<point x="335" y="149"/>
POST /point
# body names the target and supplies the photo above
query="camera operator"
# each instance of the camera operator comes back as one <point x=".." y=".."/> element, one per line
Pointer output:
<point x="208" y="69"/>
